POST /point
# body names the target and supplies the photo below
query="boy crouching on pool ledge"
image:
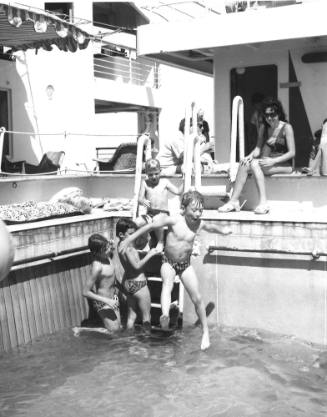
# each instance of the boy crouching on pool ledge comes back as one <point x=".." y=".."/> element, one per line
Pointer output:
<point x="134" y="280"/>
<point x="154" y="196"/>
<point x="103" y="280"/>
<point x="182" y="230"/>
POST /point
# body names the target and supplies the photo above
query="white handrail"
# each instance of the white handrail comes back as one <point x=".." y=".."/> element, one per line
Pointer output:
<point x="192" y="146"/>
<point x="143" y="141"/>
<point x="237" y="119"/>
<point x="2" y="138"/>
<point x="190" y="136"/>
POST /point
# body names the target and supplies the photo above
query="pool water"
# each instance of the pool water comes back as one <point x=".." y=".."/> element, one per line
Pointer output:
<point x="244" y="373"/>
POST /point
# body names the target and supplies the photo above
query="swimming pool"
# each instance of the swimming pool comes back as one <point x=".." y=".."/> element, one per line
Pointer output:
<point x="244" y="373"/>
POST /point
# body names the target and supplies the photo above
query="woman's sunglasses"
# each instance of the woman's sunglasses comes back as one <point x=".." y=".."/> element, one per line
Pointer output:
<point x="270" y="115"/>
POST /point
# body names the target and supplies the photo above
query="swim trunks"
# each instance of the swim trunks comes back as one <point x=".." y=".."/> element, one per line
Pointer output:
<point x="179" y="267"/>
<point x="100" y="305"/>
<point x="151" y="212"/>
<point x="132" y="286"/>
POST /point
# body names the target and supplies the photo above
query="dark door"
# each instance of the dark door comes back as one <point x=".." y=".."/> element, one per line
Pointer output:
<point x="248" y="82"/>
<point x="4" y="119"/>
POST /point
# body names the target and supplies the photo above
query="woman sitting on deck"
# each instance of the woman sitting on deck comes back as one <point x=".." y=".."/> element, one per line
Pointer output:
<point x="273" y="154"/>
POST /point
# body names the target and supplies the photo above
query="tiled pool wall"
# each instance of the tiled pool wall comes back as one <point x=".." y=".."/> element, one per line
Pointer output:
<point x="265" y="288"/>
<point x="262" y="287"/>
<point x="45" y="296"/>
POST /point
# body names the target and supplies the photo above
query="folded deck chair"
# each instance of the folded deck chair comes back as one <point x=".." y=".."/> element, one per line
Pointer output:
<point x="50" y="163"/>
<point x="124" y="158"/>
<point x="11" y="166"/>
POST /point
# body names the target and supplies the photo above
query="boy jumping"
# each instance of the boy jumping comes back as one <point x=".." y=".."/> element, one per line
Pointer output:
<point x="182" y="230"/>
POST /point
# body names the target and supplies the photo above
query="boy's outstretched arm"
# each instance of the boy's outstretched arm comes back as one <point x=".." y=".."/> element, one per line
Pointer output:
<point x="135" y="261"/>
<point x="175" y="190"/>
<point x="157" y="224"/>
<point x="214" y="228"/>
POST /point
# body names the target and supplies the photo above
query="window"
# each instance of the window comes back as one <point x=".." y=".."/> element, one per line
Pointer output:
<point x="62" y="10"/>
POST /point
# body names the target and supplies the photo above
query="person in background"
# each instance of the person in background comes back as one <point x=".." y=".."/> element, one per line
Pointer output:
<point x="171" y="154"/>
<point x="318" y="154"/>
<point x="256" y="120"/>
<point x="273" y="154"/>
<point x="203" y="125"/>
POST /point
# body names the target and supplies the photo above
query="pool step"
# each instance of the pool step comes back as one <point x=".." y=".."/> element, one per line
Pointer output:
<point x="155" y="284"/>
<point x="213" y="190"/>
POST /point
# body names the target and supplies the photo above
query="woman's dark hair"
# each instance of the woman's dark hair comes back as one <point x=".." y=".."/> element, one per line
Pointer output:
<point x="276" y="105"/>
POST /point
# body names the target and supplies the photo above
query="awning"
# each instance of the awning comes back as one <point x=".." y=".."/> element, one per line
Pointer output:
<point x="25" y="28"/>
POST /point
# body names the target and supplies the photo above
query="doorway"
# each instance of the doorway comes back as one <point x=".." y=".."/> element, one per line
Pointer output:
<point x="5" y="121"/>
<point x="247" y="82"/>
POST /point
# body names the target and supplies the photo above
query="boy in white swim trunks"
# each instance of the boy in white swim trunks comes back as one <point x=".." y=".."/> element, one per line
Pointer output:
<point x="154" y="196"/>
<point x="182" y="230"/>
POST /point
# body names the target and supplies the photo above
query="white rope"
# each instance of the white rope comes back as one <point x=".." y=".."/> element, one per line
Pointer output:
<point x="72" y="134"/>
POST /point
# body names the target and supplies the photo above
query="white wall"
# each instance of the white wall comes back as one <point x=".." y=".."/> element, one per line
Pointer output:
<point x="123" y="128"/>
<point x="179" y="88"/>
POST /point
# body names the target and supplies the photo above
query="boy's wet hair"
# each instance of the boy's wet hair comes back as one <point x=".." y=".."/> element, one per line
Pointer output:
<point x="152" y="164"/>
<point x="192" y="196"/>
<point x="123" y="225"/>
<point x="97" y="243"/>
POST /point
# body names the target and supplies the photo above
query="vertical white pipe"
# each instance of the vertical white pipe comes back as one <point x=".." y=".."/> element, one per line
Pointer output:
<point x="143" y="140"/>
<point x="2" y="138"/>
<point x="197" y="164"/>
<point x="237" y="110"/>
<point x="241" y="128"/>
<point x="187" y="173"/>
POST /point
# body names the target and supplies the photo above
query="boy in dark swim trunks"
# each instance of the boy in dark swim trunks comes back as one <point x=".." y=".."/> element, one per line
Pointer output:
<point x="182" y="230"/>
<point x="134" y="281"/>
<point x="103" y="281"/>
<point x="154" y="196"/>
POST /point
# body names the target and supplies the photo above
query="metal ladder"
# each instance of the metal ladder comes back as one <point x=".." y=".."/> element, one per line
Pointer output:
<point x="144" y="143"/>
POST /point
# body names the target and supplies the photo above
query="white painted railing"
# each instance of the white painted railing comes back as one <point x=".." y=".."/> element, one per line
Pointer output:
<point x="143" y="141"/>
<point x="136" y="71"/>
<point x="192" y="149"/>
<point x="237" y="121"/>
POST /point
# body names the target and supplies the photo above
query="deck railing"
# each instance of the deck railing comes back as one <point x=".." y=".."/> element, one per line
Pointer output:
<point x="126" y="67"/>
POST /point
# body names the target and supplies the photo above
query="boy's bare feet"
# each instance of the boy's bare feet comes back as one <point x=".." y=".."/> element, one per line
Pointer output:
<point x="147" y="327"/>
<point x="205" y="342"/>
<point x="76" y="331"/>
<point x="164" y="322"/>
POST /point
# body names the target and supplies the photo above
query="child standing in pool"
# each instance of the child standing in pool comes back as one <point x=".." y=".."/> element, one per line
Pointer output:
<point x="182" y="230"/>
<point x="134" y="280"/>
<point x="154" y="196"/>
<point x="103" y="281"/>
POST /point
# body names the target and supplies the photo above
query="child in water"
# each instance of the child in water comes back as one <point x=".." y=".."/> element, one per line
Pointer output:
<point x="154" y="196"/>
<point x="103" y="281"/>
<point x="134" y="281"/>
<point x="182" y="230"/>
